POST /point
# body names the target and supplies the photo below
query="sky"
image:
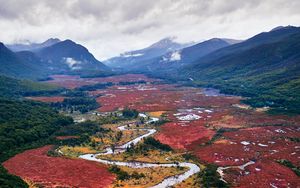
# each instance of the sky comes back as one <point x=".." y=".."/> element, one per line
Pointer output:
<point x="110" y="27"/>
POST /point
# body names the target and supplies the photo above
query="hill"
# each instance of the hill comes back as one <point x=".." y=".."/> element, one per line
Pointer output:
<point x="14" y="88"/>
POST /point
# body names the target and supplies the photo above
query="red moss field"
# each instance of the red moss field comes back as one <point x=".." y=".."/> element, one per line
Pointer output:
<point x="36" y="166"/>
<point x="47" y="99"/>
<point x="71" y="82"/>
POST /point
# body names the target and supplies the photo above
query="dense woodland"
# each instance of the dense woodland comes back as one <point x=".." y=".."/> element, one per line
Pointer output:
<point x="25" y="125"/>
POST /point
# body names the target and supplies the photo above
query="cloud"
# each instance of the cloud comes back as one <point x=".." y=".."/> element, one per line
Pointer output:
<point x="111" y="27"/>
<point x="72" y="63"/>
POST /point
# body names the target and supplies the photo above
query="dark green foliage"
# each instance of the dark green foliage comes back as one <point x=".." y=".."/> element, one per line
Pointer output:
<point x="81" y="104"/>
<point x="267" y="72"/>
<point x="10" y="87"/>
<point x="130" y="113"/>
<point x="210" y="177"/>
<point x="290" y="165"/>
<point x="122" y="175"/>
<point x="87" y="127"/>
<point x="10" y="181"/>
<point x="189" y="156"/>
<point x="152" y="142"/>
<point x="149" y="144"/>
<point x="294" y="139"/>
<point x="25" y="124"/>
<point x="95" y="86"/>
<point x="132" y="83"/>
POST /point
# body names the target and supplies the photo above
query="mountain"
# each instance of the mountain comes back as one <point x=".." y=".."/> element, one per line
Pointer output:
<point x="157" y="49"/>
<point x="182" y="57"/>
<point x="265" y="67"/>
<point x="67" y="56"/>
<point x="62" y="57"/>
<point x="32" y="46"/>
<point x="19" y="64"/>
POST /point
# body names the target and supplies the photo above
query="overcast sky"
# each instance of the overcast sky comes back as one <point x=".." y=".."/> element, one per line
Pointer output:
<point x="110" y="27"/>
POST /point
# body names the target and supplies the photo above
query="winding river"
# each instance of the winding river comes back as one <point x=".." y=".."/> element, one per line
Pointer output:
<point x="170" y="181"/>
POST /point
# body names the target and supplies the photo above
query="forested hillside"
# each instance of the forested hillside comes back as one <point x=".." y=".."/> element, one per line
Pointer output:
<point x="11" y="87"/>
<point x="265" y="68"/>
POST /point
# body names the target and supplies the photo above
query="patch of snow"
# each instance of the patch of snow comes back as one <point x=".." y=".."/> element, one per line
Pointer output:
<point x="245" y="143"/>
<point x="132" y="55"/>
<point x="273" y="151"/>
<point x="262" y="145"/>
<point x="273" y="186"/>
<point x="208" y="111"/>
<point x="189" y="117"/>
<point x="122" y="88"/>
<point x="175" y="56"/>
<point x="142" y="115"/>
<point x="280" y="131"/>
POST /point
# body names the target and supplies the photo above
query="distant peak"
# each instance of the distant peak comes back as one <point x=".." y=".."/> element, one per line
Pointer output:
<point x="215" y="39"/>
<point x="164" y="42"/>
<point x="283" y="27"/>
<point x="52" y="40"/>
<point x="68" y="40"/>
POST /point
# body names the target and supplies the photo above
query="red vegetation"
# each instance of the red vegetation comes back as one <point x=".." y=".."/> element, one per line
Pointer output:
<point x="72" y="82"/>
<point x="47" y="99"/>
<point x="263" y="174"/>
<point x="181" y="137"/>
<point x="253" y="136"/>
<point x="150" y="97"/>
<point x="37" y="167"/>
<point x="66" y="137"/>
<point x="254" y="143"/>
<point x="264" y="145"/>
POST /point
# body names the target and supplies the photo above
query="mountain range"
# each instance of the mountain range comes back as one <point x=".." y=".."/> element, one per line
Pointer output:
<point x="32" y="46"/>
<point x="264" y="68"/>
<point x="53" y="56"/>
<point x="181" y="57"/>
<point x="132" y="58"/>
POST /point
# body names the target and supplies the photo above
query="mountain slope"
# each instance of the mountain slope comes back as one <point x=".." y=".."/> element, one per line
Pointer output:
<point x="133" y="58"/>
<point x="32" y="46"/>
<point x="266" y="68"/>
<point x="182" y="57"/>
<point x="18" y="65"/>
<point x="15" y="88"/>
<point x="67" y="56"/>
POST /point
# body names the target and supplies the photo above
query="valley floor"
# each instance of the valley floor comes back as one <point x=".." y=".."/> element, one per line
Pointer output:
<point x="247" y="146"/>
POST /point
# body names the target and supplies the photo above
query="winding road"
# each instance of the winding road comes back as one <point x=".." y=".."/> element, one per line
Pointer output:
<point x="170" y="181"/>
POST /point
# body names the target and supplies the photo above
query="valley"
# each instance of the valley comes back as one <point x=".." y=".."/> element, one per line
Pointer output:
<point x="147" y="132"/>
